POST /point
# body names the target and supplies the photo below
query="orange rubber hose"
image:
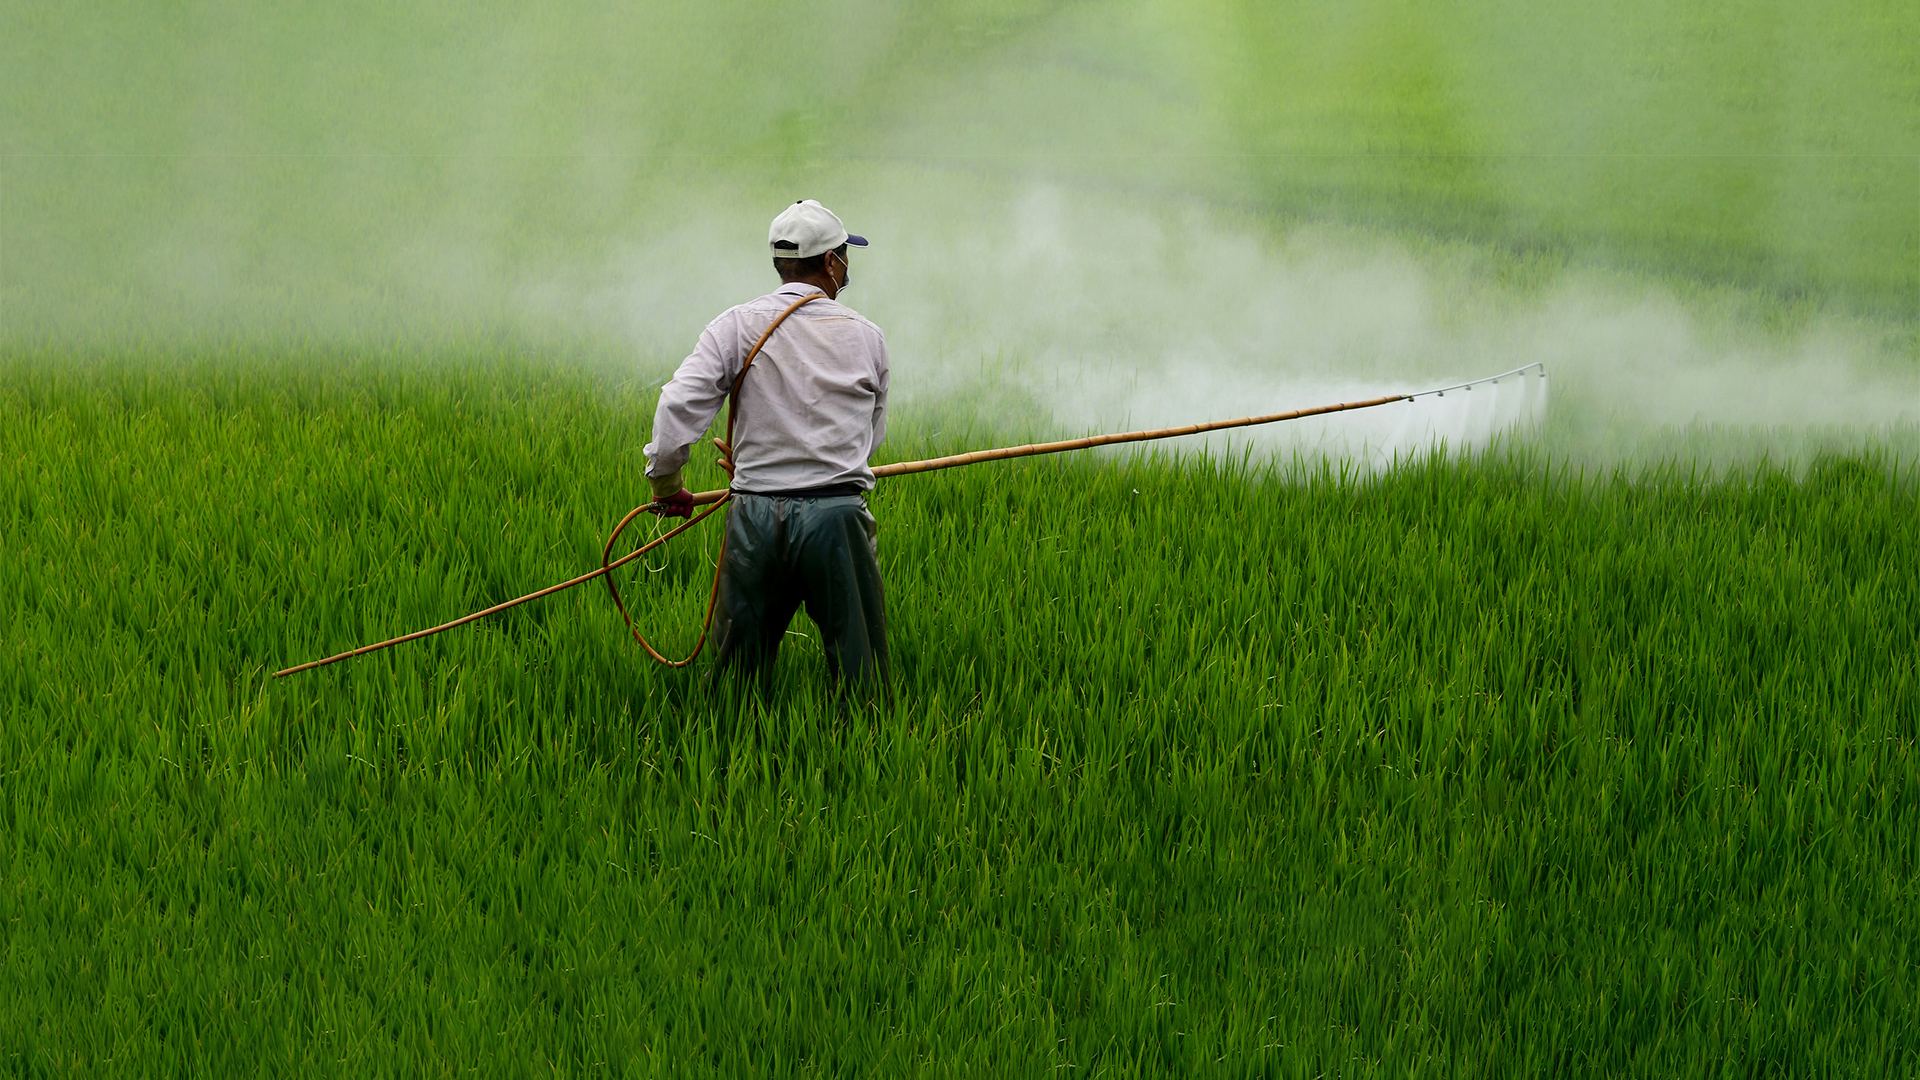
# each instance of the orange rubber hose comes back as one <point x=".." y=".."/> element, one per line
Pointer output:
<point x="497" y="608"/>
<point x="713" y="597"/>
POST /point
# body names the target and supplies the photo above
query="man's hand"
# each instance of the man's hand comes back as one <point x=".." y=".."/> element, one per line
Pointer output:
<point x="677" y="505"/>
<point x="670" y="496"/>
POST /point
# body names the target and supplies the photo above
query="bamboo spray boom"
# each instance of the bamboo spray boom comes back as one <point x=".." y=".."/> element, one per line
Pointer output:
<point x="1004" y="453"/>
<point x="715" y="499"/>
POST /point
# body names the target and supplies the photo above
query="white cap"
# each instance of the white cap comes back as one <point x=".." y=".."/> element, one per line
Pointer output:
<point x="806" y="229"/>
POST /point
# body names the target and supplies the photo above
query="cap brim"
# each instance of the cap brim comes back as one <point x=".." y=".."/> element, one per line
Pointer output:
<point x="856" y="241"/>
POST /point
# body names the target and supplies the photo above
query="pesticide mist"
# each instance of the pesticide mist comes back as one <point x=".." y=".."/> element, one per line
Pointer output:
<point x="1137" y="216"/>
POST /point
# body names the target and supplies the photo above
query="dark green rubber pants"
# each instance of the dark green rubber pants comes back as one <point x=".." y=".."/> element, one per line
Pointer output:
<point x="786" y="551"/>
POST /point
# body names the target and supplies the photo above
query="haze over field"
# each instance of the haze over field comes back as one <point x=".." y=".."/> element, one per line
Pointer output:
<point x="1108" y="214"/>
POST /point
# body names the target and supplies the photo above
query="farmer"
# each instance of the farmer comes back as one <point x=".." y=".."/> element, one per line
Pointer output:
<point x="812" y="409"/>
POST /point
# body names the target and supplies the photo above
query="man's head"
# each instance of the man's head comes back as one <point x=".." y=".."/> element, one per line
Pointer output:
<point x="828" y="271"/>
<point x="809" y="245"/>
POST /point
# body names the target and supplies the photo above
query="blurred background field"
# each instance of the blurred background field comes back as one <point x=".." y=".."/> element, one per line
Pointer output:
<point x="260" y="161"/>
<point x="1701" y="214"/>
<point x="1588" y="748"/>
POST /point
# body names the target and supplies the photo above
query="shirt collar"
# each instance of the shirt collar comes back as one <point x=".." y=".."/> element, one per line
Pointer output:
<point x="798" y="288"/>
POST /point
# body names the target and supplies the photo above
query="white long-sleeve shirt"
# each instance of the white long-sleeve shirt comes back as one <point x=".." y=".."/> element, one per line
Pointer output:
<point x="813" y="408"/>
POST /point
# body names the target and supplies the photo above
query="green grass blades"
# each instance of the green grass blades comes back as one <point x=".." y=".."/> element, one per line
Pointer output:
<point x="1473" y="767"/>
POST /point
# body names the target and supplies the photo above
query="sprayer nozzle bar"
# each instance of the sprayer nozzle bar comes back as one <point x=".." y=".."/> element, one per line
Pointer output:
<point x="1442" y="390"/>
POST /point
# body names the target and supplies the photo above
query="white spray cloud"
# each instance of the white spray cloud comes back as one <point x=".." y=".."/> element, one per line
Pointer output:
<point x="1093" y="311"/>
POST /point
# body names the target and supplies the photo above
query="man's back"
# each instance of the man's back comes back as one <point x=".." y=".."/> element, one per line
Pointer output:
<point x="812" y="408"/>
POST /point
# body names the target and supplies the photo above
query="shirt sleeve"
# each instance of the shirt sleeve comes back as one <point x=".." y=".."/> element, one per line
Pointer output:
<point x="691" y="399"/>
<point x="883" y="376"/>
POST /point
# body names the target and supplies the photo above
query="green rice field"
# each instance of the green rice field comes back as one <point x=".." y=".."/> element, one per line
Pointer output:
<point x="1477" y="766"/>
<point x="1592" y="749"/>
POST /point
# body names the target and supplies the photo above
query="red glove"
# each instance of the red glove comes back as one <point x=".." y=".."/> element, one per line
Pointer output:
<point x="677" y="505"/>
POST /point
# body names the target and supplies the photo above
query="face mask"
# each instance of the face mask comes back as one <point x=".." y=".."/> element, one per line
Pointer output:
<point x="846" y="273"/>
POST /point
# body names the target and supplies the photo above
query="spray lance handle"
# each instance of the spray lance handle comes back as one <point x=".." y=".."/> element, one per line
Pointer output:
<point x="677" y="505"/>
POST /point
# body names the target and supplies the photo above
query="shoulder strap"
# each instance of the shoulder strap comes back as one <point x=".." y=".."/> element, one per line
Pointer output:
<point x="733" y="396"/>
